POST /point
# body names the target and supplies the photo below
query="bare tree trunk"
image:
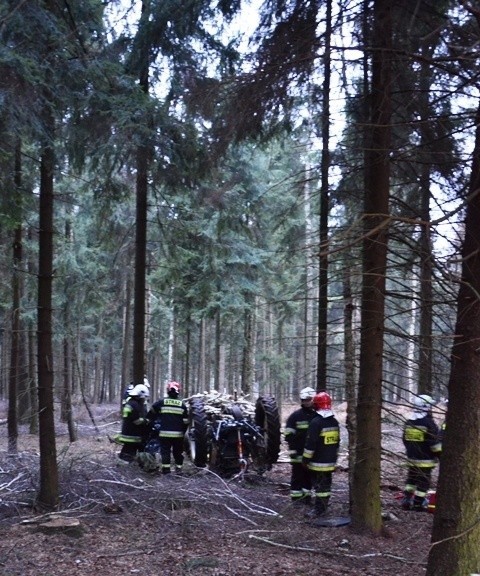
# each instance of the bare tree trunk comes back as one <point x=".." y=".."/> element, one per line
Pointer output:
<point x="111" y="375"/>
<point x="306" y="372"/>
<point x="425" y="349"/>
<point x="324" y="210"/>
<point x="31" y="344"/>
<point x="49" y="490"/>
<point x="366" y="505"/>
<point x="188" y="344"/>
<point x="350" y="389"/>
<point x="218" y="339"/>
<point x="32" y="371"/>
<point x="126" y="333"/>
<point x="406" y="379"/>
<point x="456" y="530"/>
<point x="67" y="389"/>
<point x="16" y="323"/>
<point x="427" y="137"/>
<point x="143" y="154"/>
<point x="140" y="267"/>
<point x="248" y="364"/>
<point x="171" y="348"/>
<point x="24" y="404"/>
<point x="66" y="400"/>
<point x="202" y="356"/>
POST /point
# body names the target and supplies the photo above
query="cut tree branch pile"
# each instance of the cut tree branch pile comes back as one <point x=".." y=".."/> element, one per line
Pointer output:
<point x="217" y="404"/>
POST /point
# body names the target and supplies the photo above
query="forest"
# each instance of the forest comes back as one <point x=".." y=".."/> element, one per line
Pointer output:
<point x="247" y="197"/>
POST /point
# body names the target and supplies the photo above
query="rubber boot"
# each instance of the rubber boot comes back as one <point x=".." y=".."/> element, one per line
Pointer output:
<point x="307" y="500"/>
<point x="407" y="501"/>
<point x="321" y="505"/>
<point x="419" y="504"/>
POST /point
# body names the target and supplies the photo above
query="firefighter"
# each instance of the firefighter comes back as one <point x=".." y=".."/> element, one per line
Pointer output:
<point x="295" y="435"/>
<point x="421" y="438"/>
<point x="170" y="415"/>
<point x="321" y="451"/>
<point x="129" y="388"/>
<point x="134" y="423"/>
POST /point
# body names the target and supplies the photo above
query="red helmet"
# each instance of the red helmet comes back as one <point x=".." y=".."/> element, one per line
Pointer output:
<point x="322" y="401"/>
<point x="173" y="386"/>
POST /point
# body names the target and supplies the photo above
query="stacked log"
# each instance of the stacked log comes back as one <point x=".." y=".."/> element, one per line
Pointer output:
<point x="218" y="405"/>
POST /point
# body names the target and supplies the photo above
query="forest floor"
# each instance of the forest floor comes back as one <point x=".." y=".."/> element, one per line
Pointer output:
<point x="125" y="521"/>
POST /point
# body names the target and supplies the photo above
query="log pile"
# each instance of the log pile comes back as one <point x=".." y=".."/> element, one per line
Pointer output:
<point x="218" y="405"/>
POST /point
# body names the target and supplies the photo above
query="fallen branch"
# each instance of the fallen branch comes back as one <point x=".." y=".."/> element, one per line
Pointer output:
<point x="327" y="553"/>
<point x="7" y="484"/>
<point x="249" y="520"/>
<point x="121" y="483"/>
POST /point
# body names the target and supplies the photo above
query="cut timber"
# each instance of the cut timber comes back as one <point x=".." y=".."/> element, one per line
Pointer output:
<point x="56" y="524"/>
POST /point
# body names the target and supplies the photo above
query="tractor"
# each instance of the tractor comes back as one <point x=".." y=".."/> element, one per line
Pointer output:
<point x="231" y="435"/>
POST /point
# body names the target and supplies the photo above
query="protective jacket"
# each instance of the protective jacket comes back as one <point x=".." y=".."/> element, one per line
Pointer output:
<point x="421" y="438"/>
<point x="171" y="414"/>
<point x="134" y="422"/>
<point x="322" y="443"/>
<point x="296" y="432"/>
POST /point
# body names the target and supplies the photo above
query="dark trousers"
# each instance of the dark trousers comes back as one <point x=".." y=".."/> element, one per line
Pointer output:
<point x="300" y="482"/>
<point x="322" y="485"/>
<point x="418" y="481"/>
<point x="170" y="446"/>
<point x="129" y="451"/>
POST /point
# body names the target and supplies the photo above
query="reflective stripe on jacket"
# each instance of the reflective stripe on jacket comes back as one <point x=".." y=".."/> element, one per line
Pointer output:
<point x="172" y="415"/>
<point x="322" y="444"/>
<point x="295" y="432"/>
<point x="421" y="438"/>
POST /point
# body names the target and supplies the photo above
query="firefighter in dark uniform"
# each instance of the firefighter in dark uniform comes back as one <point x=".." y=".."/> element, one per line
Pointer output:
<point x="321" y="451"/>
<point x="170" y="415"/>
<point x="129" y="388"/>
<point x="422" y="441"/>
<point x="134" y="423"/>
<point x="295" y="435"/>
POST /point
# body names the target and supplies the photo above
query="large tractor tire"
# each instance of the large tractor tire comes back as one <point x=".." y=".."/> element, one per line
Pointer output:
<point x="268" y="419"/>
<point x="197" y="434"/>
<point x="235" y="411"/>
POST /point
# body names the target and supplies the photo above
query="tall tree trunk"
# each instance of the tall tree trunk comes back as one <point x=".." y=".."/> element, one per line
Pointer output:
<point x="425" y="348"/>
<point x="218" y="340"/>
<point x="306" y="371"/>
<point x="456" y="530"/>
<point x="366" y="505"/>
<point x="324" y="210"/>
<point x="202" y="356"/>
<point x="126" y="333"/>
<point x="350" y="389"/>
<point x="16" y="297"/>
<point x="49" y="490"/>
<point x="24" y="401"/>
<point x="67" y="386"/>
<point x="32" y="365"/>
<point x="66" y="397"/>
<point x="188" y="351"/>
<point x="248" y="363"/>
<point x="140" y="267"/>
<point x="143" y="152"/>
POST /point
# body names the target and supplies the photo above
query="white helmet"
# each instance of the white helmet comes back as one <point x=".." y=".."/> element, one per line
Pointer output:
<point x="424" y="402"/>
<point x="140" y="390"/>
<point x="307" y="393"/>
<point x="146" y="382"/>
